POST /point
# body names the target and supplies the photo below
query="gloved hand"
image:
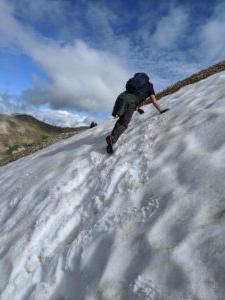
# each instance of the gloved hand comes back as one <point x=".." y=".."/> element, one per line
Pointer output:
<point x="164" y="110"/>
<point x="140" y="111"/>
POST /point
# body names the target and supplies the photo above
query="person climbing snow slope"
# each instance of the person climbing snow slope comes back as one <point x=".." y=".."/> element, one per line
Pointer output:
<point x="138" y="88"/>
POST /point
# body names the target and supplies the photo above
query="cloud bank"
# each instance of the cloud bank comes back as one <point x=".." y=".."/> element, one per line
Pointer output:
<point x="88" y="49"/>
<point x="211" y="37"/>
<point x="170" y="28"/>
<point x="10" y="105"/>
<point x="80" y="77"/>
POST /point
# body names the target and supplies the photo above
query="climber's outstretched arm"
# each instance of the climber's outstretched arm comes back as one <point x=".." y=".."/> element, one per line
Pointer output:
<point x="153" y="100"/>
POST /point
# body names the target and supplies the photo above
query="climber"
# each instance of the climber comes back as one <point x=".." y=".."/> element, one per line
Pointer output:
<point x="138" y="88"/>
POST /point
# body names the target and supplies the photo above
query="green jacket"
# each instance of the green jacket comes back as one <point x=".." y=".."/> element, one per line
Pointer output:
<point x="122" y="102"/>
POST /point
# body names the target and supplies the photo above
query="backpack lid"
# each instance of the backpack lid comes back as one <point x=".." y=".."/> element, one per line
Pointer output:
<point x="137" y="82"/>
<point x="141" y="75"/>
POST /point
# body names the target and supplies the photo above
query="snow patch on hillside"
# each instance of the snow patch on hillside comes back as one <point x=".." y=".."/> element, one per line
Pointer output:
<point x="144" y="223"/>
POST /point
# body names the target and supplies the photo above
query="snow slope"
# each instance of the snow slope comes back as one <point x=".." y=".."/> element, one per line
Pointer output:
<point x="145" y="223"/>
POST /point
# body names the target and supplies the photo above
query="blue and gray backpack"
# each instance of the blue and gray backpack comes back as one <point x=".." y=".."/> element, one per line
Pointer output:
<point x="136" y="82"/>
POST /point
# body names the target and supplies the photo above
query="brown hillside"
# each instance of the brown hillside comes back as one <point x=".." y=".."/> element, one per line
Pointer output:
<point x="22" y="134"/>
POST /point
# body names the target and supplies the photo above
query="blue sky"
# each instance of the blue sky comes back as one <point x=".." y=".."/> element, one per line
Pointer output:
<point x="72" y="58"/>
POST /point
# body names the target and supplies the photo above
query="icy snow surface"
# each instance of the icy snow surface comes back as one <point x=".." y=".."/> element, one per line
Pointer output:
<point x="145" y="223"/>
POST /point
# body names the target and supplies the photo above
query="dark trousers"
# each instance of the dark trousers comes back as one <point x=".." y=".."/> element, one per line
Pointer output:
<point x="123" y="121"/>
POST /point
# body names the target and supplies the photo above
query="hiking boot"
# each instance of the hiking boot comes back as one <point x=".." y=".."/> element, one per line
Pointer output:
<point x="110" y="141"/>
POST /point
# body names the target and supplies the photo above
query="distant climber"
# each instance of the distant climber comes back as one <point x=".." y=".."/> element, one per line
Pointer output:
<point x="138" y="88"/>
<point x="93" y="124"/>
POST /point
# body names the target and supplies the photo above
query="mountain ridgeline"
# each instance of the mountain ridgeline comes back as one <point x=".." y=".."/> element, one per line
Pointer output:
<point x="22" y="134"/>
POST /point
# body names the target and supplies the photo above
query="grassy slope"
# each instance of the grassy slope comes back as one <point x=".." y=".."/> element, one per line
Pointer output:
<point x="23" y="134"/>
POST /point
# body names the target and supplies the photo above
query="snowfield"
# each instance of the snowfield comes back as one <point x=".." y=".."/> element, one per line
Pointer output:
<point x="147" y="222"/>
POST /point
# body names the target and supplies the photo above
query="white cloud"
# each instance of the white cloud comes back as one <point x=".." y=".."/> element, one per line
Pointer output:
<point x="36" y="11"/>
<point x="10" y="105"/>
<point x="59" y="18"/>
<point x="80" y="76"/>
<point x="61" y="118"/>
<point x="212" y="42"/>
<point x="170" y="28"/>
<point x="88" y="79"/>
